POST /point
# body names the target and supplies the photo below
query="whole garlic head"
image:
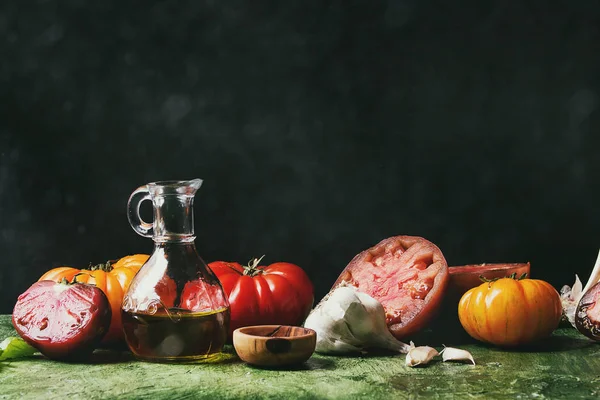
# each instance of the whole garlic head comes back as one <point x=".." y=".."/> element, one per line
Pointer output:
<point x="349" y="321"/>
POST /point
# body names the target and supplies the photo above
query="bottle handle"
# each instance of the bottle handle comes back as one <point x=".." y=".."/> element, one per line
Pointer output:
<point x="141" y="227"/>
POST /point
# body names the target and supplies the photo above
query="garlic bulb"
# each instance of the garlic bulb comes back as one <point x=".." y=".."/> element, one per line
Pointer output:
<point x="349" y="321"/>
<point x="570" y="296"/>
<point x="420" y="355"/>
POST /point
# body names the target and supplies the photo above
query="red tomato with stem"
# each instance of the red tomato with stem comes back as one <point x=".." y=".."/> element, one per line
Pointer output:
<point x="278" y="294"/>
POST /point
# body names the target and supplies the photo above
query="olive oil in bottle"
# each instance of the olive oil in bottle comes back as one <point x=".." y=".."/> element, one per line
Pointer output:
<point x="176" y="334"/>
<point x="175" y="309"/>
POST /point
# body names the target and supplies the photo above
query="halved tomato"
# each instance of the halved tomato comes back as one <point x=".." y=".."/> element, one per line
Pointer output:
<point x="408" y="275"/>
<point x="465" y="277"/>
<point x="62" y="320"/>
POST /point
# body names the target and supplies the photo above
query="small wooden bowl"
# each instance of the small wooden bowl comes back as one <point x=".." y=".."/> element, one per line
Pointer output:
<point x="274" y="345"/>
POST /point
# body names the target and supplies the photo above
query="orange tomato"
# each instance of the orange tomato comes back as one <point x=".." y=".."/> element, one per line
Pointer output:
<point x="509" y="312"/>
<point x="112" y="279"/>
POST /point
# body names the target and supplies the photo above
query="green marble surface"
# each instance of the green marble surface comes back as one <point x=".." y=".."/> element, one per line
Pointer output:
<point x="567" y="366"/>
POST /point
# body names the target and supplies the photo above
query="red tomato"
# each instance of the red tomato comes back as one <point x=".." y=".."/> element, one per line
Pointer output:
<point x="166" y="289"/>
<point x="62" y="321"/>
<point x="408" y="275"/>
<point x="198" y="296"/>
<point x="278" y="294"/>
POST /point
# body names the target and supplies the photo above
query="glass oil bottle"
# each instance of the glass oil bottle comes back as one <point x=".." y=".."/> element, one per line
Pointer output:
<point x="175" y="308"/>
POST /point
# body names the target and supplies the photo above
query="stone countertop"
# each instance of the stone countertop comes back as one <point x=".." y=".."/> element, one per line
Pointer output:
<point x="565" y="366"/>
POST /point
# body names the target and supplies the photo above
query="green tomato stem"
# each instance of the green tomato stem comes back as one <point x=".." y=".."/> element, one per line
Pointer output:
<point x="252" y="269"/>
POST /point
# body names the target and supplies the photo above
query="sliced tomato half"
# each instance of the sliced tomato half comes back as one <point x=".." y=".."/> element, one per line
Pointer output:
<point x="465" y="277"/>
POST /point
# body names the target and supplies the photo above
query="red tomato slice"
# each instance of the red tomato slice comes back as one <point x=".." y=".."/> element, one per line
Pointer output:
<point x="465" y="277"/>
<point x="408" y="275"/>
<point x="62" y="321"/>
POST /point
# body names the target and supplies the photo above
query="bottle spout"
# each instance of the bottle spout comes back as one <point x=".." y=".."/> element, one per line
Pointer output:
<point x="195" y="183"/>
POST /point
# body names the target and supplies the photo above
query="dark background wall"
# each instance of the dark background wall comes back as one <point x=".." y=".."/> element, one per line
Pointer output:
<point x="319" y="127"/>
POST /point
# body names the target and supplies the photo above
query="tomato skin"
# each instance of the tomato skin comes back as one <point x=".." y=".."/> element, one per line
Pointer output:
<point x="63" y="321"/>
<point x="278" y="294"/>
<point x="113" y="281"/>
<point x="134" y="261"/>
<point x="509" y="312"/>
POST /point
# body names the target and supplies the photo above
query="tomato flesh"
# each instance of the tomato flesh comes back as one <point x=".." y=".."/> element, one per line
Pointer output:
<point x="407" y="275"/>
<point x="62" y="321"/>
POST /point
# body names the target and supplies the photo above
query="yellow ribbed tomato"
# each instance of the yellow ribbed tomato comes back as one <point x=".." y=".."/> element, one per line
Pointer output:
<point x="112" y="279"/>
<point x="510" y="312"/>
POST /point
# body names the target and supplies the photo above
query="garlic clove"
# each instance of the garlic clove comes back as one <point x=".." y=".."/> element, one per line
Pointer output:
<point x="454" y="354"/>
<point x="420" y="355"/>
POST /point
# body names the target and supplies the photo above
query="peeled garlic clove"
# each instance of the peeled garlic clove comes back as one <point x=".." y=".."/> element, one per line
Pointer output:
<point x="454" y="354"/>
<point x="420" y="355"/>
